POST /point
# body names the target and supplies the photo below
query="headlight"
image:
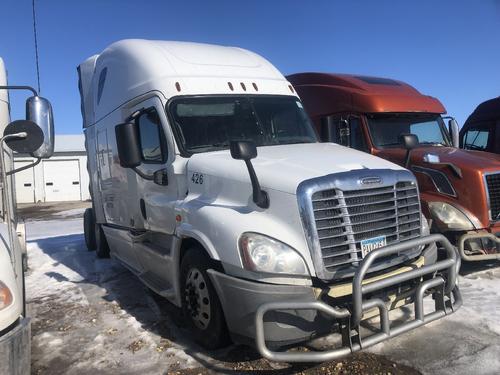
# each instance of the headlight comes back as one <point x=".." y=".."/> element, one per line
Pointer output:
<point x="265" y="254"/>
<point x="5" y="296"/>
<point x="449" y="217"/>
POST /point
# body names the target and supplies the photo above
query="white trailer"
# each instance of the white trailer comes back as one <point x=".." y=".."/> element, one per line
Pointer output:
<point x="208" y="183"/>
<point x="33" y="136"/>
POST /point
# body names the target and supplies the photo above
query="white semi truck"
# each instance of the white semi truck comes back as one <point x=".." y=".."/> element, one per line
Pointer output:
<point x="34" y="136"/>
<point x="209" y="184"/>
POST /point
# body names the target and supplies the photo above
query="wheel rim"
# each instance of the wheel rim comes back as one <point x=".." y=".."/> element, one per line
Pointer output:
<point x="197" y="298"/>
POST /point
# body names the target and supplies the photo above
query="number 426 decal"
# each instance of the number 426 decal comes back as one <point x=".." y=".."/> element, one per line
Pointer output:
<point x="197" y="178"/>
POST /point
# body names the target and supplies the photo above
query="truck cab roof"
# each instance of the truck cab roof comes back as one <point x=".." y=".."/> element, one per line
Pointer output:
<point x="132" y="67"/>
<point x="361" y="94"/>
<point x="486" y="111"/>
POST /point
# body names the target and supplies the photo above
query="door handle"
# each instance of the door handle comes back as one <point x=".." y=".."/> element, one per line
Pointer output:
<point x="49" y="183"/>
<point x="142" y="204"/>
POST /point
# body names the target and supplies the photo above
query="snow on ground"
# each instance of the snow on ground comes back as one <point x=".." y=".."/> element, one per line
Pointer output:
<point x="71" y="213"/>
<point x="92" y="315"/>
<point x="466" y="342"/>
<point x="82" y="322"/>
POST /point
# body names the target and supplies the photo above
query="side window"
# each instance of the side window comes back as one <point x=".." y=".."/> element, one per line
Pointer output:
<point x="335" y="129"/>
<point x="100" y="84"/>
<point x="347" y="133"/>
<point x="356" y="136"/>
<point x="476" y="139"/>
<point x="151" y="137"/>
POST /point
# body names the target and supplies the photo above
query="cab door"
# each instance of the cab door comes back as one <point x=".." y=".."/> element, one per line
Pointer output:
<point x="155" y="202"/>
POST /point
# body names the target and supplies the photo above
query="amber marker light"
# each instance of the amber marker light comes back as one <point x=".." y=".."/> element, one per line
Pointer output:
<point x="5" y="296"/>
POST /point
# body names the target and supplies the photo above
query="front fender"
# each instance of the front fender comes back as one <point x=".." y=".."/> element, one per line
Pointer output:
<point x="218" y="224"/>
<point x="186" y="230"/>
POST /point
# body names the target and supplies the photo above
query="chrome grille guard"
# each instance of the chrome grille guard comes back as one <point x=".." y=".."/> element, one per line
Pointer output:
<point x="441" y="284"/>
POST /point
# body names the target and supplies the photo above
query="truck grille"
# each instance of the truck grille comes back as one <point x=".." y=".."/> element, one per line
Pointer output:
<point x="493" y="186"/>
<point x="344" y="218"/>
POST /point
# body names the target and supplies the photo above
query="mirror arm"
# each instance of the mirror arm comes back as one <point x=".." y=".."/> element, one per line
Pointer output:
<point x="143" y="175"/>
<point x="260" y="197"/>
<point x="38" y="160"/>
<point x="407" y="159"/>
<point x="29" y="88"/>
<point x="134" y="115"/>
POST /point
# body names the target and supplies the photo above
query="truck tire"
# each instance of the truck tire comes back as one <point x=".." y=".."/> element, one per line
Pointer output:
<point x="201" y="307"/>
<point x="89" y="229"/>
<point x="102" y="247"/>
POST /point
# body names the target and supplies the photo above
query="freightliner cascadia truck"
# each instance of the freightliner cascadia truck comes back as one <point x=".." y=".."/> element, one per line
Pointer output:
<point x="481" y="131"/>
<point x="34" y="136"/>
<point x="209" y="184"/>
<point x="459" y="189"/>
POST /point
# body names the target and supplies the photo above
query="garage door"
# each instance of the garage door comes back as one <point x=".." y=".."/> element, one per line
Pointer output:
<point x="61" y="180"/>
<point x="25" y="183"/>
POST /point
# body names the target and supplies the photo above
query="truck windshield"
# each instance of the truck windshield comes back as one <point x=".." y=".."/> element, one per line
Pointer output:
<point x="385" y="129"/>
<point x="209" y="123"/>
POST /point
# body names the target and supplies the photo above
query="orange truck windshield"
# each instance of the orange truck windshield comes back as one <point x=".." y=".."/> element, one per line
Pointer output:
<point x="385" y="129"/>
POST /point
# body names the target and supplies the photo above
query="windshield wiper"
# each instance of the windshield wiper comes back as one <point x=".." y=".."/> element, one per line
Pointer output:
<point x="213" y="145"/>
<point x="432" y="143"/>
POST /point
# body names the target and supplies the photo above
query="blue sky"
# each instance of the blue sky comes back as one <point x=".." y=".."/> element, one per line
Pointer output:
<point x="447" y="49"/>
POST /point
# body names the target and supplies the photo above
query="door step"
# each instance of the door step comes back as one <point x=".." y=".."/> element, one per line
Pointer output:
<point x="158" y="285"/>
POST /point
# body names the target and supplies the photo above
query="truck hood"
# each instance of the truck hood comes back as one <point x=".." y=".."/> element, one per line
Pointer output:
<point x="464" y="159"/>
<point x="284" y="167"/>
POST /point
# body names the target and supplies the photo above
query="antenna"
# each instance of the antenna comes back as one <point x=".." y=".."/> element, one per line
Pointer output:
<point x="36" y="45"/>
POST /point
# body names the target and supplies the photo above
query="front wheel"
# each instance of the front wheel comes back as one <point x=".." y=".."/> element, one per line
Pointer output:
<point x="200" y="303"/>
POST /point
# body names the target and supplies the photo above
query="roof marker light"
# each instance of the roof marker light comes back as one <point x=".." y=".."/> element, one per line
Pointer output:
<point x="178" y="86"/>
<point x="255" y="86"/>
<point x="243" y="86"/>
<point x="291" y="89"/>
<point x="230" y="86"/>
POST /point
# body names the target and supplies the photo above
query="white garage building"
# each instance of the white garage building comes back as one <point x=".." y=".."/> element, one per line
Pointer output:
<point x="63" y="177"/>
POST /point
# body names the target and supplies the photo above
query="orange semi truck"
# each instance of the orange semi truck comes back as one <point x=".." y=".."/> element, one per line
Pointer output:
<point x="459" y="189"/>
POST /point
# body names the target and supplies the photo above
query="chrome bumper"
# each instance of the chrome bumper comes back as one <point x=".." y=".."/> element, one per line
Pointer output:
<point x="440" y="282"/>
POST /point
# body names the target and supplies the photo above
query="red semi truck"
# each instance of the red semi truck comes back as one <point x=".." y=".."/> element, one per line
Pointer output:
<point x="459" y="189"/>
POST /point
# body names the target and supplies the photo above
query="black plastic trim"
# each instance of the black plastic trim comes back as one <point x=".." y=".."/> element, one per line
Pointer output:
<point x="433" y="175"/>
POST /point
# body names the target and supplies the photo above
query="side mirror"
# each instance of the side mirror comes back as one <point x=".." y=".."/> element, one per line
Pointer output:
<point x="127" y="142"/>
<point x="25" y="136"/>
<point x="409" y="142"/>
<point x="246" y="150"/>
<point x="454" y="132"/>
<point x="39" y="111"/>
<point x="243" y="150"/>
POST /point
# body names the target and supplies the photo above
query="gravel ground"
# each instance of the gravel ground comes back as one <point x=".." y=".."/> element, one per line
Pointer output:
<point x="52" y="210"/>
<point x="93" y="315"/>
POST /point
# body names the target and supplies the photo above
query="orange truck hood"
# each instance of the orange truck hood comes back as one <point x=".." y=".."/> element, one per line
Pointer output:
<point x="470" y="188"/>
